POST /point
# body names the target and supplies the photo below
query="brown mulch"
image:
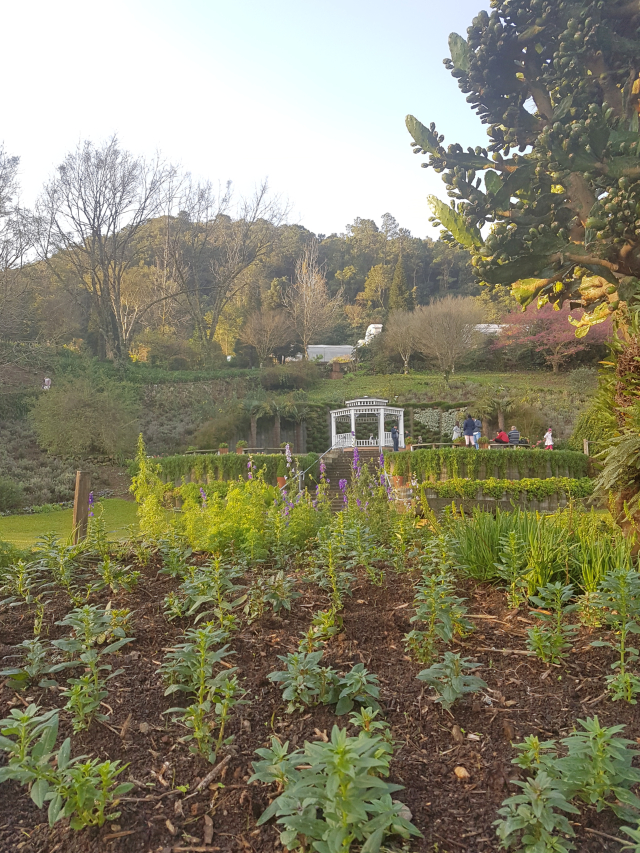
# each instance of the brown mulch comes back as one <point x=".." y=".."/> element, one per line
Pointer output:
<point x="524" y="697"/>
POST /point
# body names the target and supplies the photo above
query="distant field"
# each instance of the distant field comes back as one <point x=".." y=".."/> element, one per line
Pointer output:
<point x="25" y="530"/>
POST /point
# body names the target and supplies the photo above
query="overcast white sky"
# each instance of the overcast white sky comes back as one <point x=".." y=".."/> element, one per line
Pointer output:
<point x="310" y="95"/>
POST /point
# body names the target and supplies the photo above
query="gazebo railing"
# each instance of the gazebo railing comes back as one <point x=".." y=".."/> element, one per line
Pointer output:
<point x="345" y="439"/>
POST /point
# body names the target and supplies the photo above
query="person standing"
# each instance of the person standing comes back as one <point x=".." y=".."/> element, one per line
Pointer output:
<point x="468" y="428"/>
<point x="548" y="440"/>
<point x="395" y="437"/>
<point x="457" y="432"/>
<point x="477" y="432"/>
<point x="514" y="436"/>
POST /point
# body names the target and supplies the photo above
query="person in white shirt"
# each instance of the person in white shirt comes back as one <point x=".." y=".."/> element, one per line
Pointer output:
<point x="457" y="432"/>
<point x="548" y="440"/>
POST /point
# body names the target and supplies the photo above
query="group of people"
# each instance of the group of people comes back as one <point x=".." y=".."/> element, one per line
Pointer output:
<point x="471" y="430"/>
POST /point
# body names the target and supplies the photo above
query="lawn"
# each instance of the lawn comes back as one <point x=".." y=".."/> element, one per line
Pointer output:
<point x="25" y="530"/>
<point x="427" y="386"/>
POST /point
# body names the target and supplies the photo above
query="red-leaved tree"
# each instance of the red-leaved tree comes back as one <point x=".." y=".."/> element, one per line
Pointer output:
<point x="549" y="333"/>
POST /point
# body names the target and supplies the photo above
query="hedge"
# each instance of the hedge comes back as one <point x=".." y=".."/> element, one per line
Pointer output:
<point x="459" y="462"/>
<point x="532" y="487"/>
<point x="230" y="466"/>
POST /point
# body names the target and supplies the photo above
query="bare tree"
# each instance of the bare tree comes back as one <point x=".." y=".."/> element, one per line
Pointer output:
<point x="446" y="330"/>
<point x="93" y="211"/>
<point x="15" y="241"/>
<point x="212" y="244"/>
<point x="400" y="335"/>
<point x="310" y="307"/>
<point x="266" y="330"/>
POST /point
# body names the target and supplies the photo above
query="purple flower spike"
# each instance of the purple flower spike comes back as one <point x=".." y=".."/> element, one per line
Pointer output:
<point x="342" y="485"/>
<point x="90" y="504"/>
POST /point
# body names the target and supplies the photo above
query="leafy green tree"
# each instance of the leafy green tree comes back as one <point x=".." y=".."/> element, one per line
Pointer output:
<point x="400" y="298"/>
<point x="87" y="417"/>
<point x="376" y="287"/>
<point x="556" y="82"/>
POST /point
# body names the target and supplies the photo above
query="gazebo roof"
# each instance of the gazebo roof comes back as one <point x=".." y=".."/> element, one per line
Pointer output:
<point x="364" y="408"/>
<point x="365" y="401"/>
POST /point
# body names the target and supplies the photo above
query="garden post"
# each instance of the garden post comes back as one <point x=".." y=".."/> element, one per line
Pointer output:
<point x="81" y="505"/>
<point x="585" y="446"/>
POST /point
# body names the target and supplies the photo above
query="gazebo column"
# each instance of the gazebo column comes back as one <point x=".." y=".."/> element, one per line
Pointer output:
<point x="353" y="426"/>
<point x="333" y="430"/>
<point x="381" y="428"/>
<point x="401" y="427"/>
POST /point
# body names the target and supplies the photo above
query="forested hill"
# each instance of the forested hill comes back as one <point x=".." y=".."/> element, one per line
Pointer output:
<point x="185" y="283"/>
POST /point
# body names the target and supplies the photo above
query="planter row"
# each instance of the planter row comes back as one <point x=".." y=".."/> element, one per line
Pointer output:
<point x="446" y="463"/>
<point x="552" y="503"/>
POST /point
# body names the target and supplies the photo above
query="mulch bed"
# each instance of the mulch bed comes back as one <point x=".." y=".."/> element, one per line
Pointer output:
<point x="524" y="697"/>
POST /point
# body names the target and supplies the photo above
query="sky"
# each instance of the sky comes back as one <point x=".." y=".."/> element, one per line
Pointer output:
<point x="311" y="96"/>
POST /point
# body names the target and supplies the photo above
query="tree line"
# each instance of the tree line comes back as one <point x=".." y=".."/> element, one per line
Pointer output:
<point x="131" y="258"/>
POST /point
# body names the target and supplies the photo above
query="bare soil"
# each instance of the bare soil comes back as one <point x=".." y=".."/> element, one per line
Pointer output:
<point x="524" y="697"/>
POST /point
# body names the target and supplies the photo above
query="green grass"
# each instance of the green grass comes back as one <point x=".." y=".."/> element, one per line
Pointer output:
<point x="424" y="387"/>
<point x="25" y="530"/>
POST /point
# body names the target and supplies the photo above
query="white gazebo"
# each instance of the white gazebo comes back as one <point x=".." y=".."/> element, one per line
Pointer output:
<point x="368" y="410"/>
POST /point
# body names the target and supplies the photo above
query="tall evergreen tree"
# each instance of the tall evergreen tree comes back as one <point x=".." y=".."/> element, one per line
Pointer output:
<point x="400" y="298"/>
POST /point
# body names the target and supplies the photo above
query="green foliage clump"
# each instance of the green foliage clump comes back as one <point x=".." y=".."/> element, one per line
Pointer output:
<point x="450" y="463"/>
<point x="531" y="488"/>
<point x="87" y="418"/>
<point x="597" y="769"/>
<point x="551" y="637"/>
<point x="332" y="793"/>
<point x="82" y="790"/>
<point x="11" y="494"/>
<point x="307" y="683"/>
<point x="449" y="679"/>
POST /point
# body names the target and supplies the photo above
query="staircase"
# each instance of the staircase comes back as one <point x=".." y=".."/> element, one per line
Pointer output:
<point x="339" y="467"/>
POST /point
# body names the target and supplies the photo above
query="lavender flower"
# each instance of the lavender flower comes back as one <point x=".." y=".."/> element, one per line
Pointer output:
<point x="342" y="485"/>
<point x="90" y="504"/>
<point x="249" y="469"/>
<point x="203" y="495"/>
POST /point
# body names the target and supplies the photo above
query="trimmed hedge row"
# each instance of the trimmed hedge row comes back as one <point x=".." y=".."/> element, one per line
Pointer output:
<point x="202" y="467"/>
<point x="532" y="487"/>
<point x="459" y="462"/>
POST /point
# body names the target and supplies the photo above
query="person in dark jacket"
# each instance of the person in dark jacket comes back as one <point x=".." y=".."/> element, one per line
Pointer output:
<point x="514" y="436"/>
<point x="477" y="432"/>
<point x="468" y="428"/>
<point x="395" y="437"/>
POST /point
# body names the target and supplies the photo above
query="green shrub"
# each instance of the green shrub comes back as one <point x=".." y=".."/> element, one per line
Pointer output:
<point x="87" y="417"/>
<point x="11" y="494"/>
<point x="290" y="377"/>
<point x="427" y="464"/>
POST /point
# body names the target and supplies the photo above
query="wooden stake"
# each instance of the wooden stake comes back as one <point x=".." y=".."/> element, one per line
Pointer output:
<point x="585" y="446"/>
<point x="81" y="505"/>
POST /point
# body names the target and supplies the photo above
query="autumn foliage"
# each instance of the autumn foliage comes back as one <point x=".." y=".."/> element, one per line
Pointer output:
<point x="547" y="331"/>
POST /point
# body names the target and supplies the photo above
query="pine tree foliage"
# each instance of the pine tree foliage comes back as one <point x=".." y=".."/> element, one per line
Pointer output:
<point x="400" y="299"/>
